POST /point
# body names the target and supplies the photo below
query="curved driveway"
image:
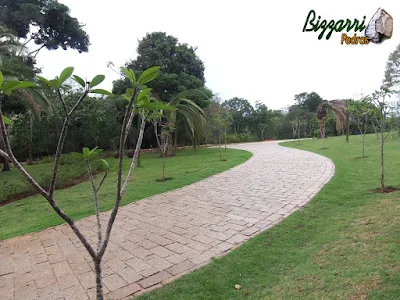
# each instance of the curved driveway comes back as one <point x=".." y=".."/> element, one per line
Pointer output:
<point x="162" y="237"/>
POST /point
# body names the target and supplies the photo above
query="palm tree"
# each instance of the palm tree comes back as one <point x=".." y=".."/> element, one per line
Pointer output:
<point x="187" y="117"/>
<point x="13" y="58"/>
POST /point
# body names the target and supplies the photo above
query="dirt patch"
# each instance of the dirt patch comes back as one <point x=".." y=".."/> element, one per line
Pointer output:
<point x="365" y="288"/>
<point x="163" y="180"/>
<point x="389" y="189"/>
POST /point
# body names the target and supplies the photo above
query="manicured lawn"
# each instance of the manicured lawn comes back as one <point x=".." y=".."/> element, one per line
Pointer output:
<point x="34" y="213"/>
<point x="342" y="245"/>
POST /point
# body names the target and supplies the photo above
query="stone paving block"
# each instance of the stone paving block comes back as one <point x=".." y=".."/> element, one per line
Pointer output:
<point x="180" y="268"/>
<point x="177" y="248"/>
<point x="124" y="292"/>
<point x="75" y="293"/>
<point x="175" y="258"/>
<point x="114" y="282"/>
<point x="130" y="275"/>
<point x="237" y="238"/>
<point x="161" y="251"/>
<point x="28" y="292"/>
<point x="138" y="264"/>
<point x="87" y="280"/>
<point x="154" y="279"/>
<point x="159" y="263"/>
<point x="20" y="280"/>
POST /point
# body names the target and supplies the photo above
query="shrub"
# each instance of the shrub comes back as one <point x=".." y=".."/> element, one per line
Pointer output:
<point x="240" y="138"/>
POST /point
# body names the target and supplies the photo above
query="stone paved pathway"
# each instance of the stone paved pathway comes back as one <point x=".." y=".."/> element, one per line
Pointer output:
<point x="160" y="238"/>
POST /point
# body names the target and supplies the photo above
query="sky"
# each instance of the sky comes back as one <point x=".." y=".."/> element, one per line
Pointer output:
<point x="252" y="49"/>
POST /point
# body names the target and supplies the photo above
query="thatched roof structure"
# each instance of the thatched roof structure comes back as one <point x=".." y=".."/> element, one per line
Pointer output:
<point x="338" y="107"/>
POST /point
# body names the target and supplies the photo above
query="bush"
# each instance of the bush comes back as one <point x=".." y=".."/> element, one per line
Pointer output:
<point x="240" y="138"/>
<point x="71" y="168"/>
<point x="46" y="160"/>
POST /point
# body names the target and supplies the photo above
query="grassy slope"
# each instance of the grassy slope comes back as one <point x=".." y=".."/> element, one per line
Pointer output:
<point x="34" y="213"/>
<point x="343" y="245"/>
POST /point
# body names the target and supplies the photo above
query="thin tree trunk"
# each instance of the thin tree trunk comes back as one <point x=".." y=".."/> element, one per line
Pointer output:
<point x="225" y="138"/>
<point x="99" y="282"/>
<point x="6" y="160"/>
<point x="382" y="164"/>
<point x="163" y="168"/>
<point x="364" y="133"/>
<point x="347" y="126"/>
<point x="363" y="143"/>
<point x="219" y="146"/>
<point x="30" y="146"/>
<point x="175" y="139"/>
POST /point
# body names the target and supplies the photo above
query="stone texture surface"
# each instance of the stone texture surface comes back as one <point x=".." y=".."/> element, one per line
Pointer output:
<point x="157" y="239"/>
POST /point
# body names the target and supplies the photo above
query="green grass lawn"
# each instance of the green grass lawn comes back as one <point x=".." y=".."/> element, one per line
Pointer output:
<point x="34" y="213"/>
<point x="342" y="245"/>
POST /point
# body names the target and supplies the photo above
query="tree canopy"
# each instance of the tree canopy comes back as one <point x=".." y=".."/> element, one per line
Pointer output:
<point x="180" y="68"/>
<point x="46" y="22"/>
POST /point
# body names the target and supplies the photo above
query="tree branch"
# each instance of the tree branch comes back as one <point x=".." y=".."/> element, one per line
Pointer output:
<point x="135" y="156"/>
<point x="36" y="51"/>
<point x="155" y="124"/>
<point x="62" y="101"/>
<point x="5" y="155"/>
<point x="96" y="205"/>
<point x="122" y="142"/>
<point x="102" y="180"/>
<point x="60" y="145"/>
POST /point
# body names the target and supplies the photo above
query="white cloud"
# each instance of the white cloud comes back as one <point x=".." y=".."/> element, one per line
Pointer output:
<point x="251" y="49"/>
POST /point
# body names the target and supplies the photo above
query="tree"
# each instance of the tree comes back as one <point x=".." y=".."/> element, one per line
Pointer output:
<point x="181" y="74"/>
<point x="186" y="114"/>
<point x="308" y="100"/>
<point x="45" y="22"/>
<point x="241" y="112"/>
<point x="180" y="68"/>
<point x="15" y="64"/>
<point x="360" y="112"/>
<point x="390" y="83"/>
<point x="261" y="118"/>
<point x="138" y="103"/>
<point x="379" y="98"/>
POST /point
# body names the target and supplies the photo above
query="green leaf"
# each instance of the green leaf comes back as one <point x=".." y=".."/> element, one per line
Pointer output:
<point x="54" y="83"/>
<point x="129" y="73"/>
<point x="164" y="106"/>
<point x="97" y="80"/>
<point x="6" y="120"/>
<point x="79" y="80"/>
<point x="146" y="105"/>
<point x="9" y="84"/>
<point x="101" y="92"/>
<point x="24" y="85"/>
<point x="143" y="94"/>
<point x="1" y="79"/>
<point x="132" y="75"/>
<point x="149" y="75"/>
<point x="44" y="80"/>
<point x="86" y="152"/>
<point x="65" y="74"/>
<point x="104" y="164"/>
